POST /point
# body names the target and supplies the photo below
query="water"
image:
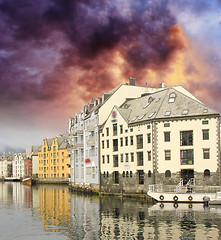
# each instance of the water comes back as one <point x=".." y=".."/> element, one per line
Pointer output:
<point x="52" y="212"/>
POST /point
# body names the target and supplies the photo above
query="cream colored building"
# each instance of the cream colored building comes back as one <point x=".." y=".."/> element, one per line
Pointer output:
<point x="160" y="137"/>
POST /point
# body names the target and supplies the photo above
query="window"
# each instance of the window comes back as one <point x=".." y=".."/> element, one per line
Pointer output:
<point x="107" y="143"/>
<point x="127" y="174"/>
<point x="121" y="142"/>
<point x="149" y="155"/>
<point x="167" y="113"/>
<point x="107" y="132"/>
<point x="205" y="134"/>
<point x="206" y="154"/>
<point x="186" y="138"/>
<point x="62" y="167"/>
<point x="104" y="174"/>
<point x="172" y="97"/>
<point x="149" y="138"/>
<point x="126" y="157"/>
<point x="126" y="141"/>
<point x="185" y="111"/>
<point x="132" y="157"/>
<point x="140" y="159"/>
<point x="131" y="174"/>
<point x="131" y="140"/>
<point x="108" y="159"/>
<point x="168" y="173"/>
<point x="151" y="115"/>
<point x="141" y="176"/>
<point x="166" y="124"/>
<point x="115" y="161"/>
<point x="115" y="145"/>
<point x="149" y="174"/>
<point x="139" y="141"/>
<point x="186" y="157"/>
<point x="115" y="129"/>
<point x="148" y="126"/>
<point x="122" y="157"/>
<point x="167" y="154"/>
<point x="123" y="175"/>
<point x="62" y="153"/>
<point x="205" y="122"/>
<point x="107" y="174"/>
<point x="103" y="159"/>
<point x="102" y="144"/>
<point x="166" y="136"/>
<point x="116" y="177"/>
<point x="131" y="130"/>
<point x="121" y="129"/>
<point x="207" y="173"/>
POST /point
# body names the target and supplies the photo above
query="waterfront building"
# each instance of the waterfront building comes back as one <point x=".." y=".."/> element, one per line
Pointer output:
<point x="159" y="138"/>
<point x="27" y="163"/>
<point x="34" y="160"/>
<point x="18" y="165"/>
<point x="84" y="133"/>
<point x="53" y="159"/>
<point x="6" y="164"/>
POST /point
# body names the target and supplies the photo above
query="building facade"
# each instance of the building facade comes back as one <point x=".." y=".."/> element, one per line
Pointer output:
<point x="6" y="164"/>
<point x="84" y="133"/>
<point x="53" y="159"/>
<point x="159" y="138"/>
<point x="18" y="165"/>
<point x="34" y="160"/>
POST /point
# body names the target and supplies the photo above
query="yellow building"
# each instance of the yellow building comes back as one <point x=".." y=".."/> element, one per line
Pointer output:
<point x="53" y="158"/>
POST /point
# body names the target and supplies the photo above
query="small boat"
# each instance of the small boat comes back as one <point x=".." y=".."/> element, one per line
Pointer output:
<point x="216" y="200"/>
<point x="26" y="181"/>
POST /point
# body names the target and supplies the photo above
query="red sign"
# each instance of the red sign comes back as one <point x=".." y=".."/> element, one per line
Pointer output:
<point x="87" y="160"/>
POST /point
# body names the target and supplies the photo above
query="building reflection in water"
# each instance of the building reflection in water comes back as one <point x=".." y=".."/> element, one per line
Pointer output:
<point x="54" y="207"/>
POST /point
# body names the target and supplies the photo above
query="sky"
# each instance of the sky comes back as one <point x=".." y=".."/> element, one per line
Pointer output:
<point x="55" y="56"/>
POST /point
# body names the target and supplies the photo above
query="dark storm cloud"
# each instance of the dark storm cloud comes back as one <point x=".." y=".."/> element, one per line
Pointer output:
<point x="88" y="29"/>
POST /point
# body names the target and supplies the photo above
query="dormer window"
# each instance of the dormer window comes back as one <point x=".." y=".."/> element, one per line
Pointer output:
<point x="167" y="113"/>
<point x="150" y="100"/>
<point x="205" y="110"/>
<point x="134" y="118"/>
<point x="151" y="115"/>
<point x="141" y="117"/>
<point x="172" y="97"/>
<point x="185" y="111"/>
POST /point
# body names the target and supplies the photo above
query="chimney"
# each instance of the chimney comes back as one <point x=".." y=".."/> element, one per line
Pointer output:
<point x="162" y="85"/>
<point x="132" y="81"/>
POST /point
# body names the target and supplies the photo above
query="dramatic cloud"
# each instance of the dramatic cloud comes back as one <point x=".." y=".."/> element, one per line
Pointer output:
<point x="56" y="55"/>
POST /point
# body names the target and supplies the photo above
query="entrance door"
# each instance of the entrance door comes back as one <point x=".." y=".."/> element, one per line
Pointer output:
<point x="186" y="174"/>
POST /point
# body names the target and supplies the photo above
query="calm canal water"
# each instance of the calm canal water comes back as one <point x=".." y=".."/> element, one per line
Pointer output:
<point x="52" y="212"/>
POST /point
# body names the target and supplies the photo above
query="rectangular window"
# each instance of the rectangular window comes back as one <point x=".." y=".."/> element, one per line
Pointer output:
<point x="115" y="145"/>
<point x="149" y="138"/>
<point x="139" y="141"/>
<point x="108" y="159"/>
<point x="166" y="124"/>
<point x="121" y="129"/>
<point x="132" y="157"/>
<point x="62" y="167"/>
<point x="186" y="157"/>
<point x="126" y="157"/>
<point x="166" y="136"/>
<point x="206" y="154"/>
<point x="131" y="140"/>
<point x="116" y="177"/>
<point x="126" y="141"/>
<point x="103" y="159"/>
<point x="54" y="161"/>
<point x="167" y="154"/>
<point x="121" y="142"/>
<point x="122" y="157"/>
<point x="107" y="143"/>
<point x="140" y="159"/>
<point x="107" y="131"/>
<point x="102" y="144"/>
<point x="114" y="129"/>
<point x="115" y="161"/>
<point x="149" y="155"/>
<point x="205" y="122"/>
<point x="186" y="138"/>
<point x="141" y="176"/>
<point x="205" y="134"/>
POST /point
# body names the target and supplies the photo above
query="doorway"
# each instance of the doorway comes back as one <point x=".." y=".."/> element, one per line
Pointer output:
<point x="186" y="175"/>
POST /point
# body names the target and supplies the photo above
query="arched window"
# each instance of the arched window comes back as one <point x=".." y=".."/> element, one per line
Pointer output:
<point x="131" y="174"/>
<point x="127" y="174"/>
<point x="149" y="173"/>
<point x="104" y="174"/>
<point x="107" y="174"/>
<point x="207" y="173"/>
<point x="123" y="174"/>
<point x="168" y="173"/>
<point x="172" y="97"/>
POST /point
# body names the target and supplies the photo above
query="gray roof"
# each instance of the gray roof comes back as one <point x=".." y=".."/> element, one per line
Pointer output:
<point x="160" y="105"/>
<point x="35" y="150"/>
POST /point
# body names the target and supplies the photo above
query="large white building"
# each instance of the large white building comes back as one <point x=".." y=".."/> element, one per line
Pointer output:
<point x="159" y="138"/>
<point x="18" y="165"/>
<point x="84" y="133"/>
<point x="6" y="164"/>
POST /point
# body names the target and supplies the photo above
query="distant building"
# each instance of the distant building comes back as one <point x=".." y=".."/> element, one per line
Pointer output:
<point x="53" y="159"/>
<point x="28" y="163"/>
<point x="6" y="164"/>
<point x="159" y="138"/>
<point x="34" y="160"/>
<point x="18" y="165"/>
